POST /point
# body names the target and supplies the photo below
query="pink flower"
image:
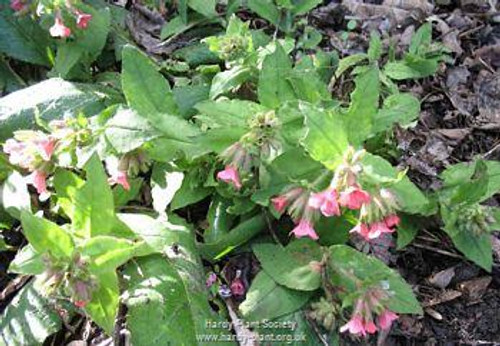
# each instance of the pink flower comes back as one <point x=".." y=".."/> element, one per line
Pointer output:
<point x="80" y="303"/>
<point x="354" y="326"/>
<point x="38" y="180"/>
<point x="362" y="229"/>
<point x="385" y="319"/>
<point x="59" y="29"/>
<point x="17" y="152"/>
<point x="304" y="229"/>
<point x="120" y="178"/>
<point x="237" y="287"/>
<point x="279" y="203"/>
<point x="212" y="278"/>
<point x="230" y="175"/>
<point x="82" y="19"/>
<point x="326" y="201"/>
<point x="370" y="327"/>
<point x="46" y="147"/>
<point x="377" y="228"/>
<point x="392" y="220"/>
<point x="17" y="5"/>
<point x="354" y="197"/>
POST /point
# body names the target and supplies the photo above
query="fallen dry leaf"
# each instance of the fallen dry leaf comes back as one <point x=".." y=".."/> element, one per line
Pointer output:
<point x="442" y="278"/>
<point x="442" y="297"/>
<point x="475" y="288"/>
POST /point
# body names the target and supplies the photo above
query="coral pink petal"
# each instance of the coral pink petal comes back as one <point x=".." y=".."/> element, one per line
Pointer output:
<point x="59" y="29"/>
<point x="370" y="327"/>
<point x="386" y="318"/>
<point x="354" y="326"/>
<point x="304" y="229"/>
<point x="279" y="203"/>
<point x="38" y="179"/>
<point x="230" y="175"/>
<point x="120" y="178"/>
<point x="392" y="220"/>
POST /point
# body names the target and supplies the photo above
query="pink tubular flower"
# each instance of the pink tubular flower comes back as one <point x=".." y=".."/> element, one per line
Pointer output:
<point x="80" y="303"/>
<point x="82" y="19"/>
<point x="354" y="197"/>
<point x="377" y="228"/>
<point x="362" y="229"/>
<point x="385" y="319"/>
<point x="120" y="178"/>
<point x="304" y="229"/>
<point x="354" y="326"/>
<point x="392" y="220"/>
<point x="59" y="29"/>
<point x="237" y="287"/>
<point x="46" y="147"/>
<point x="230" y="175"/>
<point x="17" y="5"/>
<point x="38" y="179"/>
<point x="17" y="152"/>
<point x="326" y="201"/>
<point x="279" y="203"/>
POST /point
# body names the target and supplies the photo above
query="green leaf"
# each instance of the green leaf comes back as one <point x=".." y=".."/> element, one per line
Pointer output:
<point x="359" y="118"/>
<point x="228" y="80"/>
<point x="236" y="237"/>
<point x="14" y="195"/>
<point x="28" y="319"/>
<point x="107" y="253"/>
<point x="421" y="40"/>
<point x="274" y="87"/>
<point x="180" y="302"/>
<point x="188" y="96"/>
<point x="45" y="236"/>
<point x="52" y="99"/>
<point x="189" y="193"/>
<point x="174" y="26"/>
<point x="22" y="38"/>
<point x="67" y="184"/>
<point x="411" y="68"/>
<point x="121" y="196"/>
<point x="304" y="6"/>
<point x="399" y="108"/>
<point x="103" y="306"/>
<point x="27" y="261"/>
<point x="127" y="130"/>
<point x="93" y="205"/>
<point x="219" y="220"/>
<point x="407" y="230"/>
<point x="268" y="300"/>
<point x="266" y="9"/>
<point x="476" y="248"/>
<point x="205" y="7"/>
<point x="228" y="113"/>
<point x="326" y="139"/>
<point x="375" y="49"/>
<point x="296" y="266"/>
<point x="348" y="62"/>
<point x="149" y="94"/>
<point x="346" y="263"/>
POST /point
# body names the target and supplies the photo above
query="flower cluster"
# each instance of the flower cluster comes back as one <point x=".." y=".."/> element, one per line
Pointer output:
<point x="372" y="302"/>
<point x="377" y="211"/>
<point x="32" y="150"/>
<point x="259" y="143"/>
<point x="59" y="28"/>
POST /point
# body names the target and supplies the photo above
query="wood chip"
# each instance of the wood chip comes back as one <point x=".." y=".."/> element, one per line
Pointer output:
<point x="434" y="314"/>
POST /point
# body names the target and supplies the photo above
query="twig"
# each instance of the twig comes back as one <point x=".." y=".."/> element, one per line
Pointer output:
<point x="442" y="252"/>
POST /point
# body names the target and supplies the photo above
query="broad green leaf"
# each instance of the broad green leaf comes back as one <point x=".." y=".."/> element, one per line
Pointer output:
<point x="27" y="261"/>
<point x="205" y="7"/>
<point x="181" y="303"/>
<point x="236" y="237"/>
<point x="228" y="113"/>
<point x="121" y="196"/>
<point x="476" y="248"/>
<point x="188" y="96"/>
<point x="411" y="68"/>
<point x="127" y="130"/>
<point x="14" y="195"/>
<point x="93" y="206"/>
<point x="268" y="300"/>
<point x="45" y="236"/>
<point x="399" y="108"/>
<point x="421" y="39"/>
<point x="52" y="99"/>
<point x="266" y="9"/>
<point x="107" y="253"/>
<point x="67" y="184"/>
<point x="348" y="62"/>
<point x="148" y="92"/>
<point x="326" y="139"/>
<point x="189" y="193"/>
<point x="22" y="38"/>
<point x="28" y="319"/>
<point x="228" y="80"/>
<point x="219" y="220"/>
<point x="296" y="266"/>
<point x="346" y="263"/>
<point x="407" y="230"/>
<point x="174" y="26"/>
<point x="359" y="118"/>
<point x="274" y="87"/>
<point x="103" y="306"/>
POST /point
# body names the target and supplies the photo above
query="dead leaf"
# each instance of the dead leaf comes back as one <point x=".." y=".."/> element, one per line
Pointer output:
<point x="487" y="89"/>
<point x="411" y="5"/>
<point x="442" y="297"/>
<point x="454" y="134"/>
<point x="442" y="278"/>
<point x="434" y="314"/>
<point x="475" y="288"/>
<point x="489" y="54"/>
